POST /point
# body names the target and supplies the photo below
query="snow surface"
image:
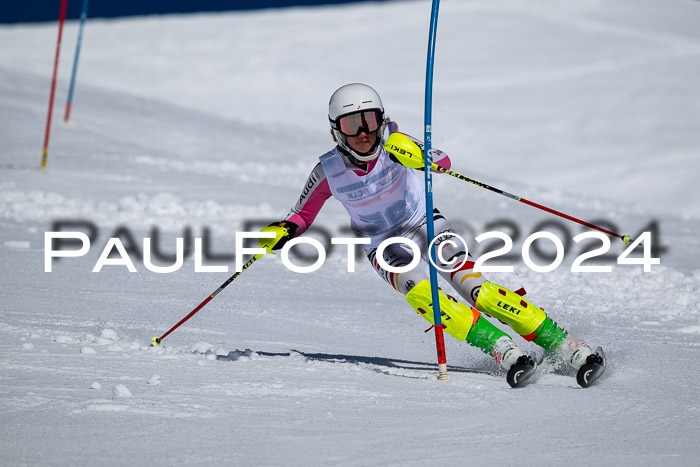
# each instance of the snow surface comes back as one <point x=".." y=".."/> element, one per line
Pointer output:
<point x="207" y="121"/>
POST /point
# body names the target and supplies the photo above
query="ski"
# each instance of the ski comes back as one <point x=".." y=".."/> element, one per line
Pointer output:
<point x="591" y="371"/>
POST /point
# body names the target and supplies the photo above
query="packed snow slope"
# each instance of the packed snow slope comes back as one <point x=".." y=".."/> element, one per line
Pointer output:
<point x="206" y="125"/>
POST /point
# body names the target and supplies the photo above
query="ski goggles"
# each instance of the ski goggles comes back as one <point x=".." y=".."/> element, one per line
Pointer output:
<point x="366" y="120"/>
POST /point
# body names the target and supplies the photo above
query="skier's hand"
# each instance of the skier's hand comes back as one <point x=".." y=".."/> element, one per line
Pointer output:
<point x="284" y="231"/>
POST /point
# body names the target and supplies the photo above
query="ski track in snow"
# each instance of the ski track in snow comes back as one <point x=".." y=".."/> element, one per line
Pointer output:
<point x="333" y="368"/>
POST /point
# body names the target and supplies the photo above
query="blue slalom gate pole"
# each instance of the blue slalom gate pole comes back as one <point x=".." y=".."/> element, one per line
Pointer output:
<point x="69" y="103"/>
<point x="439" y="335"/>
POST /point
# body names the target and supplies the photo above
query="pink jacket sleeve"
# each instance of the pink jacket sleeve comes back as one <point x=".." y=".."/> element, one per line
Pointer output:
<point x="315" y="193"/>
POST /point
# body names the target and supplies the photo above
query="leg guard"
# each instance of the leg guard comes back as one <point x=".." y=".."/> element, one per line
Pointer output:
<point x="531" y="322"/>
<point x="457" y="319"/>
<point x="465" y="323"/>
<point x="511" y="309"/>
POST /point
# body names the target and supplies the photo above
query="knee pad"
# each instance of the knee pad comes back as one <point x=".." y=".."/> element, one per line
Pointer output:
<point x="457" y="319"/>
<point x="510" y="308"/>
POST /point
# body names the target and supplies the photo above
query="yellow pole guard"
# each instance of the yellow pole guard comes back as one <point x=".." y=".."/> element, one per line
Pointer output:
<point x="405" y="150"/>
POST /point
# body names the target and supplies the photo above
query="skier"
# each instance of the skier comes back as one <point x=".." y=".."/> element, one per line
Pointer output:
<point x="386" y="199"/>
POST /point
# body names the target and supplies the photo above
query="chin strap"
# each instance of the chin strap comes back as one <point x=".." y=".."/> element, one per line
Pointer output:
<point x="350" y="153"/>
<point x="352" y="158"/>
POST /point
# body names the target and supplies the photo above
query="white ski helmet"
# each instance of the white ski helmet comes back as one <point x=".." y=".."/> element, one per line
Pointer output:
<point x="356" y="107"/>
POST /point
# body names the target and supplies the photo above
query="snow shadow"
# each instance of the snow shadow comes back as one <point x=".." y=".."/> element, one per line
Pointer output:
<point x="382" y="362"/>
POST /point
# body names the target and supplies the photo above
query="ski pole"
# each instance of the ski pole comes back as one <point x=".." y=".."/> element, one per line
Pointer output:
<point x="157" y="340"/>
<point x="409" y="154"/>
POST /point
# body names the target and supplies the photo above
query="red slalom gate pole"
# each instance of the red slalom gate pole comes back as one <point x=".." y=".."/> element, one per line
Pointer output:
<point x="61" y="20"/>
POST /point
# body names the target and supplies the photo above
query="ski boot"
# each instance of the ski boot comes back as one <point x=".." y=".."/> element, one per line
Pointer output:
<point x="520" y="367"/>
<point x="521" y="371"/>
<point x="533" y="324"/>
<point x="588" y="365"/>
<point x="592" y="369"/>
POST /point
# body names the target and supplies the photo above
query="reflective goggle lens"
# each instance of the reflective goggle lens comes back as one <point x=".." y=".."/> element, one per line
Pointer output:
<point x="367" y="120"/>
